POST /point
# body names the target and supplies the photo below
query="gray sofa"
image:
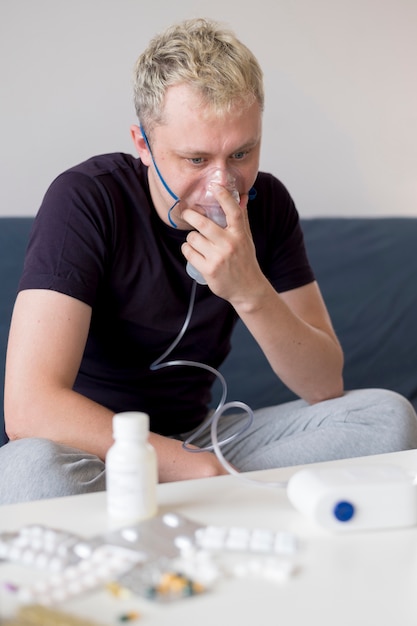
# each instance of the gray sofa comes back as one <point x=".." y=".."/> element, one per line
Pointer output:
<point x="367" y="271"/>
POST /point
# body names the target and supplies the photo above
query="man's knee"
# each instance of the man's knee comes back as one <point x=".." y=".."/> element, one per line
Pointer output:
<point x="404" y="418"/>
<point x="393" y="416"/>
<point x="33" y="469"/>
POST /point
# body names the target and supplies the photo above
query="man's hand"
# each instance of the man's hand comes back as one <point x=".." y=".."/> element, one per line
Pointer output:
<point x="175" y="463"/>
<point x="226" y="257"/>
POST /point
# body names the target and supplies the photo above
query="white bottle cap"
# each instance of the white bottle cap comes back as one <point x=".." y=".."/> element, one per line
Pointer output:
<point x="131" y="424"/>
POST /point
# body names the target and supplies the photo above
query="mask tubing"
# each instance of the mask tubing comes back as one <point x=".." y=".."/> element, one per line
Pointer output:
<point x="222" y="407"/>
<point x="160" y="363"/>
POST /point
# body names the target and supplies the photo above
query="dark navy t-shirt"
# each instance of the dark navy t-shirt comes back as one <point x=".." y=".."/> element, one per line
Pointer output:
<point x="98" y="238"/>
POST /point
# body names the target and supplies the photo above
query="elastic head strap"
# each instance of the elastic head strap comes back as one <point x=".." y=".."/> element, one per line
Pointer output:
<point x="161" y="178"/>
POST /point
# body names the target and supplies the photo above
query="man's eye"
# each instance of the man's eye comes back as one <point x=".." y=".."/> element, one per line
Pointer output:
<point x="197" y="160"/>
<point x="239" y="155"/>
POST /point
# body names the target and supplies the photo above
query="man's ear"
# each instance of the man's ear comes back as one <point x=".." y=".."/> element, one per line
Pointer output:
<point x="140" y="145"/>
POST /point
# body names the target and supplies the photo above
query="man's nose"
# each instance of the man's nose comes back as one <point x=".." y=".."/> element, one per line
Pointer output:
<point x="223" y="176"/>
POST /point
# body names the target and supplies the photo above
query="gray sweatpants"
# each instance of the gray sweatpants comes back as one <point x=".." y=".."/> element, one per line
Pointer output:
<point x="362" y="422"/>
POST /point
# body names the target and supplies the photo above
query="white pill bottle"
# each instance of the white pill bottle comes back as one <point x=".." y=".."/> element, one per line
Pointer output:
<point x="131" y="470"/>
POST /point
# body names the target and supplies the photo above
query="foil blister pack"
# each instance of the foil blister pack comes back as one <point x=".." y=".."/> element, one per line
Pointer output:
<point x="163" y="559"/>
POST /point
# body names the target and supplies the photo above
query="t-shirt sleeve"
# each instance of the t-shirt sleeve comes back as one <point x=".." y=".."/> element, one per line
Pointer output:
<point x="69" y="241"/>
<point x="278" y="236"/>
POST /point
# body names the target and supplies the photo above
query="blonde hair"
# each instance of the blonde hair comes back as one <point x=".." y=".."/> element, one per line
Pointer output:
<point x="202" y="54"/>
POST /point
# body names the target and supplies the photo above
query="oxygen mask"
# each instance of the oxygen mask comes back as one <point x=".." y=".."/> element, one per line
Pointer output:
<point x="205" y="202"/>
<point x="204" y="199"/>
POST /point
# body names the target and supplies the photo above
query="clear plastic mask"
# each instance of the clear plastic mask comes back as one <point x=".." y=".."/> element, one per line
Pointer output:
<point x="203" y="197"/>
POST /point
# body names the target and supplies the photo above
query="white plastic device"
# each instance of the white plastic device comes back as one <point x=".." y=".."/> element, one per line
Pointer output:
<point x="356" y="497"/>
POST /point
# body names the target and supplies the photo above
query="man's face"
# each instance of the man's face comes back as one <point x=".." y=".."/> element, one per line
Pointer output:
<point x="194" y="140"/>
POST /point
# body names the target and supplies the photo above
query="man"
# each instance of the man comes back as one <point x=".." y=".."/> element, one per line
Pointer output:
<point x="104" y="293"/>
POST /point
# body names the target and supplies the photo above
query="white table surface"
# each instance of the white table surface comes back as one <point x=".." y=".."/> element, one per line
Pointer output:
<point x="366" y="578"/>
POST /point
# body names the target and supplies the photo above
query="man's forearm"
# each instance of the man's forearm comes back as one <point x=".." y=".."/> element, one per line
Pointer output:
<point x="308" y="359"/>
<point x="63" y="416"/>
<point x="72" y="419"/>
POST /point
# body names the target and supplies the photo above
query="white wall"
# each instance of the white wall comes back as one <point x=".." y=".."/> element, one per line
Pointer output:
<point x="340" y="124"/>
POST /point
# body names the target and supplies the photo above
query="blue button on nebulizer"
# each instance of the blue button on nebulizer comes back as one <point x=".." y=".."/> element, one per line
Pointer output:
<point x="344" y="511"/>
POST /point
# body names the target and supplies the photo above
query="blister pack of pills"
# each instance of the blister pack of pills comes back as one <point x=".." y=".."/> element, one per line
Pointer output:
<point x="162" y="581"/>
<point x="239" y="539"/>
<point x="159" y="537"/>
<point x="41" y="547"/>
<point x="209" y="553"/>
<point x="78" y="566"/>
<point x="74" y="565"/>
<point x="165" y="558"/>
<point x="106" y="563"/>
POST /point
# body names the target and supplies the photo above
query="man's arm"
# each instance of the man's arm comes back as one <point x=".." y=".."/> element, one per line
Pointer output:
<point x="296" y="335"/>
<point x="293" y="328"/>
<point x="46" y="343"/>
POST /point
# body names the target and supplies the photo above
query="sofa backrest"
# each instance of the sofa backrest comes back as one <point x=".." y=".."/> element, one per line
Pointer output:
<point x="367" y="271"/>
<point x="14" y="233"/>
